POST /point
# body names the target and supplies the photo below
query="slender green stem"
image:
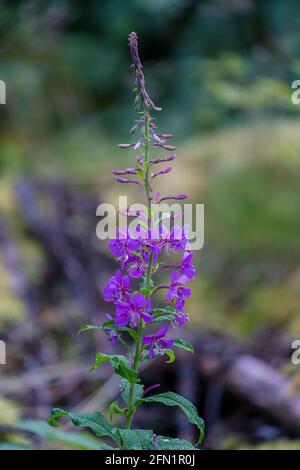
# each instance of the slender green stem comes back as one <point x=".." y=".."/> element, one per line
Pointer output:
<point x="136" y="361"/>
<point x="139" y="344"/>
<point x="146" y="160"/>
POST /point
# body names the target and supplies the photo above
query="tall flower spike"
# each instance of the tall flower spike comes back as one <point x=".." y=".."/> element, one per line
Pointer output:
<point x="140" y="254"/>
<point x="143" y="97"/>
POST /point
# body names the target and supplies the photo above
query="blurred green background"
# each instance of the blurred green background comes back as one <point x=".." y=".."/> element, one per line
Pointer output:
<point x="222" y="72"/>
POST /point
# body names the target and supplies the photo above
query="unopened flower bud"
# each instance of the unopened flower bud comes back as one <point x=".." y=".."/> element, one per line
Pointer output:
<point x="163" y="171"/>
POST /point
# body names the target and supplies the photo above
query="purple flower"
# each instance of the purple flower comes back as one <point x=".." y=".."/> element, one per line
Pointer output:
<point x="180" y="318"/>
<point x="155" y="197"/>
<point x="177" y="292"/>
<point x="186" y="266"/>
<point x="123" y="247"/>
<point x="158" y="342"/>
<point x="130" y="311"/>
<point x="117" y="287"/>
<point x="178" y="239"/>
<point x="136" y="270"/>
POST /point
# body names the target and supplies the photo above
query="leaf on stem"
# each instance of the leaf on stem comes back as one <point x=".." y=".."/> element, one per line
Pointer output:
<point x="94" y="421"/>
<point x="136" y="439"/>
<point x="125" y="391"/>
<point x="115" y="409"/>
<point x="146" y="287"/>
<point x="173" y="399"/>
<point x="109" y="325"/>
<point x="171" y="355"/>
<point x="181" y="343"/>
<point x="120" y="365"/>
<point x="82" y="441"/>
<point x="166" y="313"/>
<point x="167" y="443"/>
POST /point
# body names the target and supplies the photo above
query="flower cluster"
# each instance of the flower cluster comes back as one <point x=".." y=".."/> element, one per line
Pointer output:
<point x="134" y="257"/>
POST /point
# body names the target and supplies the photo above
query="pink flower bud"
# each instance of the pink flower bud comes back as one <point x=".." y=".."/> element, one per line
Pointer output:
<point x="124" y="146"/>
<point x="163" y="171"/>
<point x="119" y="179"/>
<point x="166" y="136"/>
<point x="178" y="197"/>
<point x="128" y="171"/>
<point x="169" y="158"/>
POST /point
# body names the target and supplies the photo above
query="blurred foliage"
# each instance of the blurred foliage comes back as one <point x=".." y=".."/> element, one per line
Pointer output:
<point x="248" y="180"/>
<point x="278" y="304"/>
<point x="11" y="307"/>
<point x="48" y="437"/>
<point x="9" y="412"/>
<point x="209" y="64"/>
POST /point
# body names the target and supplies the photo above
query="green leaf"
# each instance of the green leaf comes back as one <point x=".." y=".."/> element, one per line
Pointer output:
<point x="171" y="355"/>
<point x="168" y="309"/>
<point x="136" y="439"/>
<point x="94" y="421"/>
<point x="162" y="311"/>
<point x="164" y="314"/>
<point x="173" y="399"/>
<point x="146" y="287"/>
<point x="140" y="173"/>
<point x="125" y="391"/>
<point x="115" y="409"/>
<point x="109" y="325"/>
<point x="120" y="365"/>
<point x="132" y="333"/>
<point x="159" y="318"/>
<point x="89" y="328"/>
<point x="45" y="431"/>
<point x="181" y="343"/>
<point x="166" y="443"/>
<point x="168" y="352"/>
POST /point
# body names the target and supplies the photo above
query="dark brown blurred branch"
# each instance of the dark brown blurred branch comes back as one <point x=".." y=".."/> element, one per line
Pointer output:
<point x="252" y="380"/>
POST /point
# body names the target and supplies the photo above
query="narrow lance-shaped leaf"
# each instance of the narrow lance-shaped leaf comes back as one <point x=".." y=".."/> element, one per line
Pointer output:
<point x="82" y="441"/>
<point x="109" y="325"/>
<point x="173" y="399"/>
<point x="164" y="314"/>
<point x="94" y="421"/>
<point x="181" y="343"/>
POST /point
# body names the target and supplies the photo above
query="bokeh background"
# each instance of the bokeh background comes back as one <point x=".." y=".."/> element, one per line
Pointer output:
<point x="222" y="72"/>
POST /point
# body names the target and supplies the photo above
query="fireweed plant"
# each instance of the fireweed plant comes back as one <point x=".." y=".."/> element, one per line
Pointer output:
<point x="136" y="324"/>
